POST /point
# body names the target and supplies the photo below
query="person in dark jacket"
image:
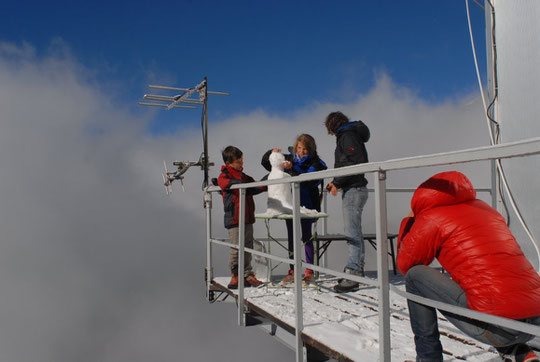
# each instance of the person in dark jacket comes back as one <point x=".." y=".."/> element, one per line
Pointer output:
<point x="486" y="269"/>
<point x="350" y="150"/>
<point x="231" y="174"/>
<point x="303" y="159"/>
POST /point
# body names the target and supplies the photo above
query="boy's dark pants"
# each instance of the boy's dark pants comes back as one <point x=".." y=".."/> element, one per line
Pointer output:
<point x="233" y="253"/>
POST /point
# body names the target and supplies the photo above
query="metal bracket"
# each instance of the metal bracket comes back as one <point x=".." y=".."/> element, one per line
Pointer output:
<point x="207" y="203"/>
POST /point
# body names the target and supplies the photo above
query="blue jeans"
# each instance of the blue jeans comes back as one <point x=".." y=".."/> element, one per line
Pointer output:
<point x="430" y="283"/>
<point x="353" y="201"/>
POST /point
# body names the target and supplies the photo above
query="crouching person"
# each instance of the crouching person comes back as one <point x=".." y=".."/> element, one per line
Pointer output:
<point x="488" y="271"/>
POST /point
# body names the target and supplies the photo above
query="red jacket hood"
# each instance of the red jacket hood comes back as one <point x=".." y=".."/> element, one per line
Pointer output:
<point x="473" y="244"/>
<point x="442" y="189"/>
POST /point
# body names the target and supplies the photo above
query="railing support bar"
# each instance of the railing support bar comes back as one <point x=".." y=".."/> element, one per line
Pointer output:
<point x="241" y="241"/>
<point x="209" y="269"/>
<point x="299" y="312"/>
<point x="382" y="266"/>
<point x="324" y="227"/>
<point x="494" y="184"/>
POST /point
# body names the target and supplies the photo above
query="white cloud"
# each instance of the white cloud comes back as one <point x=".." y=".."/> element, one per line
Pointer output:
<point x="96" y="263"/>
<point x="11" y="50"/>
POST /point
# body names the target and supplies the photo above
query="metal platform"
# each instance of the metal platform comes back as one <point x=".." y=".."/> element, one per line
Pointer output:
<point x="344" y="327"/>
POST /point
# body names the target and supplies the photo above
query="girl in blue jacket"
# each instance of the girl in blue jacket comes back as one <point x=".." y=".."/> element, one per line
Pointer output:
<point x="303" y="159"/>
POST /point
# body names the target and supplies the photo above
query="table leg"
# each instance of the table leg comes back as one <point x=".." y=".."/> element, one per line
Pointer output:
<point x="392" y="254"/>
<point x="316" y="255"/>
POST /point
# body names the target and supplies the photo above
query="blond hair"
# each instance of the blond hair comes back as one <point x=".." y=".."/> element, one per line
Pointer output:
<point x="309" y="143"/>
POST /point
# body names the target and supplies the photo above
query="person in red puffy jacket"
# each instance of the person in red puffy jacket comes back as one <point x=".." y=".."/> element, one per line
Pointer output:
<point x="488" y="271"/>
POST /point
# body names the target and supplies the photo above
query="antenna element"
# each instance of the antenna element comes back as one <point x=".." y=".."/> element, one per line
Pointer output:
<point x="178" y="101"/>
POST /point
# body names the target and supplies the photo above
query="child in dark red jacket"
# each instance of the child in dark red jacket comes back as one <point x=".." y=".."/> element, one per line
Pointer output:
<point x="231" y="174"/>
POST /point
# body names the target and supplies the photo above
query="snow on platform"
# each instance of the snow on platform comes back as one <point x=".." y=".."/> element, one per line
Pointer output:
<point x="345" y="326"/>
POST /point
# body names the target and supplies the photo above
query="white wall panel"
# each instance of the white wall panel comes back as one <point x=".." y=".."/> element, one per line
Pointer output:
<point x="517" y="37"/>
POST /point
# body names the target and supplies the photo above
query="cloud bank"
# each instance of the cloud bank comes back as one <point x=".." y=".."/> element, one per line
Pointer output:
<point x="97" y="264"/>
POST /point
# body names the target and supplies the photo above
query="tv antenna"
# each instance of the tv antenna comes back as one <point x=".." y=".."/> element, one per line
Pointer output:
<point x="180" y="101"/>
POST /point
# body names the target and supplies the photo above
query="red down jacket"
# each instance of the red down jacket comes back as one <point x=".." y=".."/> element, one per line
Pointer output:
<point x="231" y="198"/>
<point x="471" y="241"/>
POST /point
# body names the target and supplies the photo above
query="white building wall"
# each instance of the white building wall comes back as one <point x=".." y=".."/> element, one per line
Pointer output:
<point x="517" y="61"/>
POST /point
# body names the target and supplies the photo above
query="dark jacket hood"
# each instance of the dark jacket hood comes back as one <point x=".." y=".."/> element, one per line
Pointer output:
<point x="358" y="127"/>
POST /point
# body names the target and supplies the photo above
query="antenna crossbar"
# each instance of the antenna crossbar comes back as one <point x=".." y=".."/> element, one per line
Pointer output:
<point x="185" y="90"/>
<point x="164" y="105"/>
<point x="173" y="100"/>
<point x="170" y="102"/>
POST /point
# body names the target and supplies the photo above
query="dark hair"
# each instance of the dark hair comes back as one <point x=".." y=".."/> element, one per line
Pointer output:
<point x="335" y="120"/>
<point x="231" y="154"/>
<point x="309" y="143"/>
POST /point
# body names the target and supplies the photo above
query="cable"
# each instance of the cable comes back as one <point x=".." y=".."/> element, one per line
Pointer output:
<point x="204" y="128"/>
<point x="477" y="3"/>
<point x="203" y="158"/>
<point x="491" y="121"/>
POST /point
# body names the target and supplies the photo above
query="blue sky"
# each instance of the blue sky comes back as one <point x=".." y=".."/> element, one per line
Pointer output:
<point x="108" y="266"/>
<point x="275" y="56"/>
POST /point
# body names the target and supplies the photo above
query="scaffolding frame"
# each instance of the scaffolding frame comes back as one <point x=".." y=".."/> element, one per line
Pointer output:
<point x="381" y="170"/>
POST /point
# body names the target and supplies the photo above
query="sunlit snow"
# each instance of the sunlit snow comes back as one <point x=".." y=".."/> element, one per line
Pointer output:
<point x="348" y="323"/>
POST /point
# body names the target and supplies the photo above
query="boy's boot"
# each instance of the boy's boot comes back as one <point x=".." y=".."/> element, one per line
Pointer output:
<point x="346" y="285"/>
<point x="309" y="277"/>
<point x="233" y="284"/>
<point x="252" y="281"/>
<point x="289" y="278"/>
<point x="518" y="353"/>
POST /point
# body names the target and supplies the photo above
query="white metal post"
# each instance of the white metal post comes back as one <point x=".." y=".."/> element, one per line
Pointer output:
<point x="209" y="268"/>
<point x="205" y="132"/>
<point x="324" y="227"/>
<point x="494" y="184"/>
<point x="241" y="241"/>
<point x="298" y="272"/>
<point x="382" y="266"/>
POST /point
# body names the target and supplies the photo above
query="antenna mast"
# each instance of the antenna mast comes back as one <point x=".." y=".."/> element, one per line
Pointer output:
<point x="180" y="101"/>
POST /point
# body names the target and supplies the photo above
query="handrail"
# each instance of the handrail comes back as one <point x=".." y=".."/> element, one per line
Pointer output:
<point x="522" y="148"/>
<point x="484" y="317"/>
<point x="356" y="278"/>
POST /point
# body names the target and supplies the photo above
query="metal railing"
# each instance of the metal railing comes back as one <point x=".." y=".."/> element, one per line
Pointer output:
<point x="380" y="169"/>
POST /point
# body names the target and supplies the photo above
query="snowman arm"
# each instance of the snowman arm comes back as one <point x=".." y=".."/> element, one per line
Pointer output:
<point x="265" y="162"/>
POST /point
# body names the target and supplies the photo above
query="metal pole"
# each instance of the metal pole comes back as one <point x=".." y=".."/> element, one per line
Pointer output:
<point x="324" y="227"/>
<point x="241" y="237"/>
<point x="494" y="184"/>
<point x="298" y="273"/>
<point x="382" y="266"/>
<point x="205" y="116"/>
<point x="209" y="269"/>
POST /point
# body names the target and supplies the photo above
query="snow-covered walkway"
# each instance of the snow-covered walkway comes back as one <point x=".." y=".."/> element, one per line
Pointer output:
<point x="348" y="323"/>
